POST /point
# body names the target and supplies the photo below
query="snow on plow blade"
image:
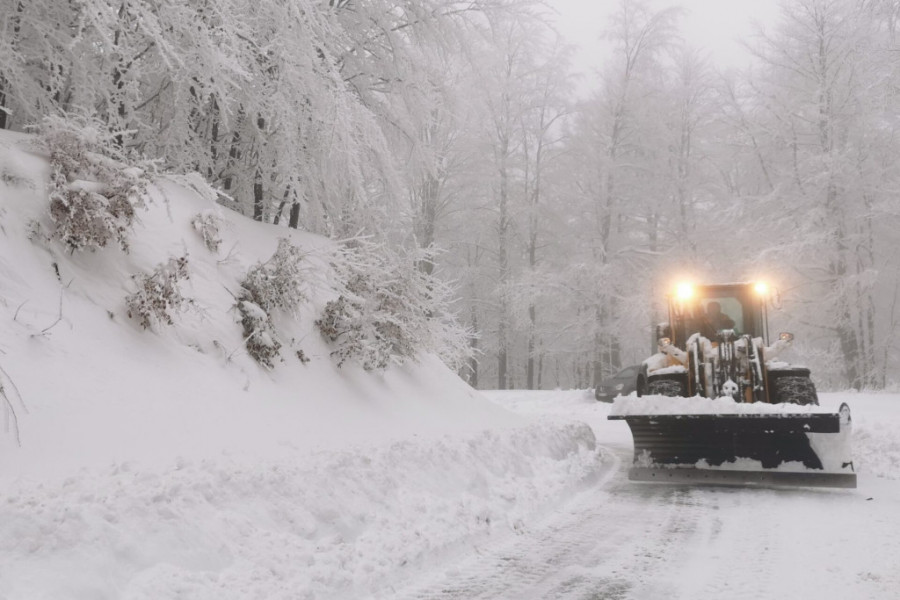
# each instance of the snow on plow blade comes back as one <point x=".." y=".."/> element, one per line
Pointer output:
<point x="795" y="449"/>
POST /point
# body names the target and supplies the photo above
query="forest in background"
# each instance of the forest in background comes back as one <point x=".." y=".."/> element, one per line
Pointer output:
<point x="561" y="218"/>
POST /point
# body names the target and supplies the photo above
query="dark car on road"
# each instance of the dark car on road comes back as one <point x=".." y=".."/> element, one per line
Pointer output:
<point x="624" y="382"/>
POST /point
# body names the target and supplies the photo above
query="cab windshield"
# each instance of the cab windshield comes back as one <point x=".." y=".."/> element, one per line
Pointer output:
<point x="720" y="313"/>
<point x="718" y="308"/>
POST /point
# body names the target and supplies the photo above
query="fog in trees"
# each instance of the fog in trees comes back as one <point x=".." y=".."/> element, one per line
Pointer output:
<point x="458" y="132"/>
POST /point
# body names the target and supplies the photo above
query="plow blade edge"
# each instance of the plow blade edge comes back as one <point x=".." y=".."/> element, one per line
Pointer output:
<point x="807" y="449"/>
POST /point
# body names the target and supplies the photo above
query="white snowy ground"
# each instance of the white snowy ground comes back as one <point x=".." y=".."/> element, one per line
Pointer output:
<point x="618" y="539"/>
<point x="167" y="464"/>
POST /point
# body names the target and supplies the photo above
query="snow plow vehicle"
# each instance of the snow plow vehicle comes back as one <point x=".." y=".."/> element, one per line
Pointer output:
<point x="715" y="405"/>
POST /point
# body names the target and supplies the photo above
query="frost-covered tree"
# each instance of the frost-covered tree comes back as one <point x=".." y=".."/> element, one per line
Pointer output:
<point x="620" y="163"/>
<point x="284" y="106"/>
<point x="823" y="99"/>
<point x="542" y="127"/>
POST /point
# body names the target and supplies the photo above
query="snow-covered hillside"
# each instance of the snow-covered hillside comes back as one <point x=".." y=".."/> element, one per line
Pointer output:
<point x="167" y="463"/>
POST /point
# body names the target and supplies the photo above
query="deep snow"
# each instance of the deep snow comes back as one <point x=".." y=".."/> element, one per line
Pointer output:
<point x="645" y="541"/>
<point x="167" y="464"/>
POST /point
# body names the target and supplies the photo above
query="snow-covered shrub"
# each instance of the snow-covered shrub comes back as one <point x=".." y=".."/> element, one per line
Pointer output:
<point x="93" y="190"/>
<point x="388" y="310"/>
<point x="277" y="283"/>
<point x="345" y="321"/>
<point x="158" y="295"/>
<point x="207" y="224"/>
<point x="259" y="334"/>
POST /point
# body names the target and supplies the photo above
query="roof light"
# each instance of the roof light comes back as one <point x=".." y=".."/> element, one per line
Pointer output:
<point x="761" y="288"/>
<point x="684" y="291"/>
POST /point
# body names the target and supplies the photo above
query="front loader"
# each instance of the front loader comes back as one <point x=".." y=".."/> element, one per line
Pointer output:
<point x="715" y="405"/>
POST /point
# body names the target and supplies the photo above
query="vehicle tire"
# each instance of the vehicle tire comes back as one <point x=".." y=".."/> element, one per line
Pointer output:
<point x="665" y="387"/>
<point x="795" y="389"/>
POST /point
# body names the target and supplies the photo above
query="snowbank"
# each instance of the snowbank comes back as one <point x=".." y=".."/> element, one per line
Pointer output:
<point x="876" y="431"/>
<point x="95" y="387"/>
<point x="167" y="463"/>
<point x="331" y="525"/>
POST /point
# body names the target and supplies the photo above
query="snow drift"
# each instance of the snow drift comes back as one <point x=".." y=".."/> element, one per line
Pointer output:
<point x="149" y="463"/>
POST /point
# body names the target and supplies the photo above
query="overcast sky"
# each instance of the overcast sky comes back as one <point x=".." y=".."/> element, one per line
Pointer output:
<point x="717" y="25"/>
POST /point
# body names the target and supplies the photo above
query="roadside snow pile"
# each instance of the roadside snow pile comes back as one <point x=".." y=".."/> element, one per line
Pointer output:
<point x="876" y="450"/>
<point x="534" y="402"/>
<point x="334" y="525"/>
<point x="566" y="406"/>
<point x="292" y="478"/>
<point x="666" y="405"/>
<point x="876" y="431"/>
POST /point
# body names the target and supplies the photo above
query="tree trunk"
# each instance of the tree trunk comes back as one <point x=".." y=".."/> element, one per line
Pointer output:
<point x="540" y="372"/>
<point x="4" y="84"/>
<point x="278" y="211"/>
<point x="258" y="191"/>
<point x="428" y="196"/>
<point x="215" y="116"/>
<point x="294" y="221"/>
<point x="3" y="115"/>
<point x="597" y="362"/>
<point x="258" y="196"/>
<point x="503" y="253"/>
<point x="473" y="342"/>
<point x="234" y="153"/>
<point x="118" y="84"/>
<point x="529" y="366"/>
<point x="532" y="310"/>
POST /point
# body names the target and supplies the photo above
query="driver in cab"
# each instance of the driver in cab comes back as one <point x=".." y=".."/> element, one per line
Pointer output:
<point x="714" y="321"/>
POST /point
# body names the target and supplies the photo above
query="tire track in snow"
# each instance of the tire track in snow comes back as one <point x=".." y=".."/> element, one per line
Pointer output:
<point x="795" y="543"/>
<point x="615" y="541"/>
<point x="681" y="543"/>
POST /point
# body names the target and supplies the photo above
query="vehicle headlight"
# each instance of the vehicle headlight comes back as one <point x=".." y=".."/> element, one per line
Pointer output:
<point x="619" y="387"/>
<point x="784" y="336"/>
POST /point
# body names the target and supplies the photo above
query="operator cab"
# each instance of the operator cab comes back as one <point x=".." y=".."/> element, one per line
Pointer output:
<point x="713" y="309"/>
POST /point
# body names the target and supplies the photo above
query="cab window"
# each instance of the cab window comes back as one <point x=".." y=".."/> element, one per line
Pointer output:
<point x="729" y="307"/>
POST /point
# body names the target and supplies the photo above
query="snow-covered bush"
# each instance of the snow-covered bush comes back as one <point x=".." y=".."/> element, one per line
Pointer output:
<point x="388" y="310"/>
<point x="277" y="283"/>
<point x="158" y="295"/>
<point x="93" y="190"/>
<point x="259" y="334"/>
<point x="207" y="224"/>
<point x="344" y="321"/>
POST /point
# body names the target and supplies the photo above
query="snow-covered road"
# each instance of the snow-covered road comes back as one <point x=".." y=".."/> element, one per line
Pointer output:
<point x="531" y="507"/>
<point x="617" y="539"/>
